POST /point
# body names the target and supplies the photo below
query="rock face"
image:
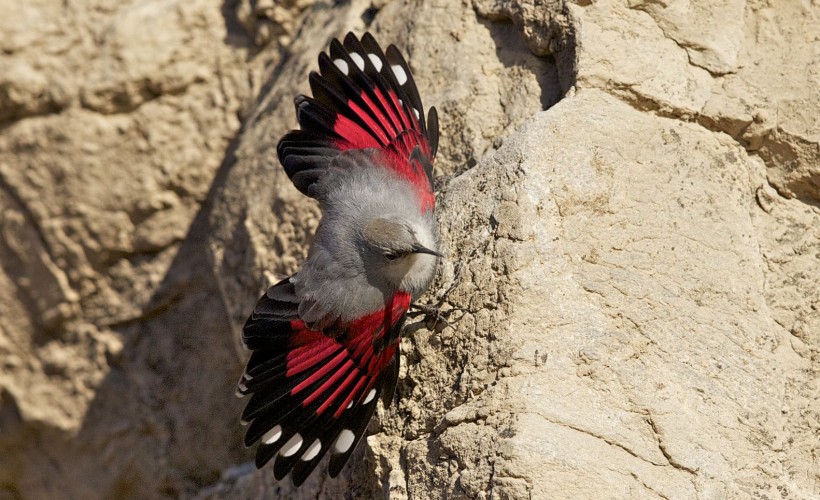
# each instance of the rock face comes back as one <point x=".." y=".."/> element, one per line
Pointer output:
<point x="629" y="203"/>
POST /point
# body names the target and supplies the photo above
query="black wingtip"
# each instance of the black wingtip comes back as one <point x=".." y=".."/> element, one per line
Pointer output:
<point x="432" y="130"/>
<point x="391" y="380"/>
<point x="263" y="455"/>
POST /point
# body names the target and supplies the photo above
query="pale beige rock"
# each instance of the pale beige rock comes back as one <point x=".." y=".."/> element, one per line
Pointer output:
<point x="711" y="32"/>
<point x="635" y="313"/>
<point x="115" y="119"/>
<point x="268" y="20"/>
<point x="635" y="268"/>
<point x="624" y="51"/>
<point x="734" y="67"/>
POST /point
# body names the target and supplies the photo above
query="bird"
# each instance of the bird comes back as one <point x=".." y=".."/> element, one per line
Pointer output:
<point x="324" y="341"/>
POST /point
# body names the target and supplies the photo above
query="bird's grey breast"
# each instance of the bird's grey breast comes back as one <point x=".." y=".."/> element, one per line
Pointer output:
<point x="335" y="282"/>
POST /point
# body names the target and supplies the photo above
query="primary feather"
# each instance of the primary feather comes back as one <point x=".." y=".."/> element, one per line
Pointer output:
<point x="325" y="341"/>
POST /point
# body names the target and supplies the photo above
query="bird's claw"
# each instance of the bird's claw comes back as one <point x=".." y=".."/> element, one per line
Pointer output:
<point x="433" y="311"/>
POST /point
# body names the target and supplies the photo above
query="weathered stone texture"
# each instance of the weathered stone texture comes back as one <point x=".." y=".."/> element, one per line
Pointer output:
<point x="628" y="200"/>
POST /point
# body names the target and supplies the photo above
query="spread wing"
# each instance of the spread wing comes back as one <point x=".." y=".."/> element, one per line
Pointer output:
<point x="315" y="391"/>
<point x="362" y="98"/>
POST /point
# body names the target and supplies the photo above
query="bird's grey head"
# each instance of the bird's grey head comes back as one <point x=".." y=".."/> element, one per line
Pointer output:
<point x="401" y="252"/>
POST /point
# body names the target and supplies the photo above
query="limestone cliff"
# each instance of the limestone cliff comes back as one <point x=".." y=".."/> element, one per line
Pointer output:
<point x="629" y="203"/>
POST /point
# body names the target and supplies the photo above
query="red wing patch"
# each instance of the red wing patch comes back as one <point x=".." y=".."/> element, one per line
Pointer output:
<point x="362" y="98"/>
<point x="315" y="391"/>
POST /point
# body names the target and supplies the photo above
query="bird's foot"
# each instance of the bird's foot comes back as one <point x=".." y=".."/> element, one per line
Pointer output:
<point x="434" y="311"/>
<point x="431" y="312"/>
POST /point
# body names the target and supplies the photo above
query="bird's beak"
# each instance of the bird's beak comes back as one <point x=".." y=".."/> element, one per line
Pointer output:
<point x="421" y="249"/>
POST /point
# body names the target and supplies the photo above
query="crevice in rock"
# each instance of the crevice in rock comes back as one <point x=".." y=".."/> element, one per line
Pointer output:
<point x="629" y="95"/>
<point x="784" y="153"/>
<point x="683" y="46"/>
<point x="11" y="113"/>
<point x="648" y="488"/>
<point x="125" y="100"/>
<point x="599" y="437"/>
<point x="369" y="15"/>
<point x="511" y="49"/>
<point x="659" y="438"/>
<point x="805" y="190"/>
<point x="22" y="206"/>
<point x="549" y="34"/>
<point x="31" y="270"/>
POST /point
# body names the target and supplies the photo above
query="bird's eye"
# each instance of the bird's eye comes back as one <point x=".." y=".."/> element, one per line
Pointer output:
<point x="390" y="256"/>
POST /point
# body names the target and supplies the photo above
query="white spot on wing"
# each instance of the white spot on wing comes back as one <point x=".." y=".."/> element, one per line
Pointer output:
<point x="240" y="391"/>
<point x="342" y="65"/>
<point x="246" y="376"/>
<point x="418" y="115"/>
<point x="401" y="76"/>
<point x="344" y="441"/>
<point x="370" y="396"/>
<point x="350" y="404"/>
<point x="292" y="446"/>
<point x="358" y="60"/>
<point x="377" y="63"/>
<point x="272" y="435"/>
<point x="312" y="451"/>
